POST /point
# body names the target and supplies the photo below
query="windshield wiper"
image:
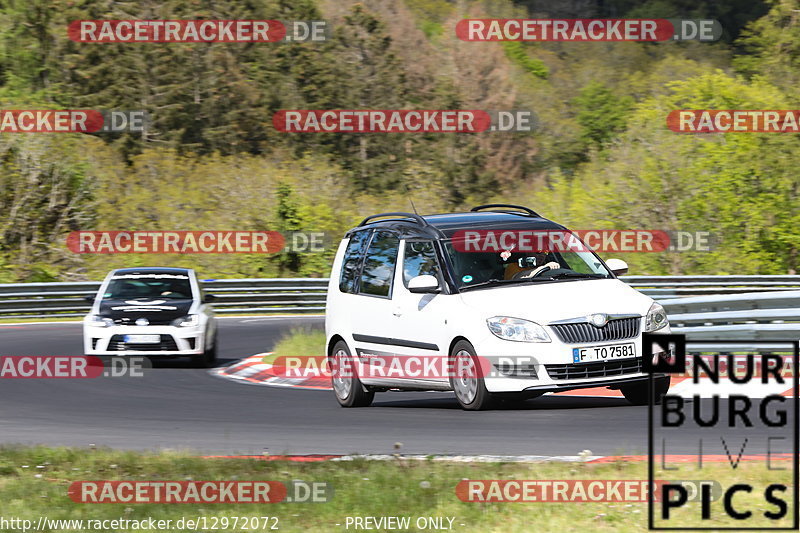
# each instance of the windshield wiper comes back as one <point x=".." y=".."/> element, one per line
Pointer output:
<point x="578" y="275"/>
<point x="493" y="281"/>
<point x="563" y="275"/>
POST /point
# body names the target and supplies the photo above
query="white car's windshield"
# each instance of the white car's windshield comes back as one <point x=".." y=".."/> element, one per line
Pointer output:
<point x="170" y="287"/>
<point x="473" y="269"/>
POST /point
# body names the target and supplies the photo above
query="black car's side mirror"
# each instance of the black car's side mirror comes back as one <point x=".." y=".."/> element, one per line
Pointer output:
<point x="89" y="298"/>
<point x="208" y="298"/>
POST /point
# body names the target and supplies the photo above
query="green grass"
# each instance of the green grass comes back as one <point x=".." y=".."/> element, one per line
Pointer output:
<point x="299" y="342"/>
<point x="361" y="488"/>
<point x="24" y="320"/>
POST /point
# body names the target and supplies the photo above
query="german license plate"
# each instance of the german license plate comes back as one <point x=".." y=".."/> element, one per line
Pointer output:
<point x="603" y="353"/>
<point x="143" y="339"/>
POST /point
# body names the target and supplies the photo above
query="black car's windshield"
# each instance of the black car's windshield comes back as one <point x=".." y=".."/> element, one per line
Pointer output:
<point x="149" y="287"/>
<point x="487" y="269"/>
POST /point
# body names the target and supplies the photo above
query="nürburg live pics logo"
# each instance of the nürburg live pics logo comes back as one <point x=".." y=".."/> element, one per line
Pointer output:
<point x="732" y="406"/>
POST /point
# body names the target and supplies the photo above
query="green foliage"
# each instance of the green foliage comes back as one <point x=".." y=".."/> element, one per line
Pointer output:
<point x="47" y="188"/>
<point x="741" y="188"/>
<point x="431" y="29"/>
<point x="601" y="113"/>
<point x="211" y="158"/>
<point x="733" y="15"/>
<point x="431" y="14"/>
<point x="434" y="10"/>
<point x="7" y="274"/>
<point x="772" y="44"/>
<point x="516" y="52"/>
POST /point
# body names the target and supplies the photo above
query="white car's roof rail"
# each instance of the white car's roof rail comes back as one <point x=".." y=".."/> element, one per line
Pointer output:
<point x="416" y="218"/>
<point x="527" y="210"/>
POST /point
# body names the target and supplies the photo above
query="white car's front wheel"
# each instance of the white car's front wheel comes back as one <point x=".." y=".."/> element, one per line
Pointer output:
<point x="639" y="393"/>
<point x="466" y="380"/>
<point x="208" y="358"/>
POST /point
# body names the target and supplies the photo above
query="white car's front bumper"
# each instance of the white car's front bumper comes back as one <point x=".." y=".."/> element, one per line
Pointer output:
<point x="554" y="367"/>
<point x="174" y="340"/>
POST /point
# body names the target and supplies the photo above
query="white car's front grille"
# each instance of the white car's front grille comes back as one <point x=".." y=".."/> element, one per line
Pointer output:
<point x="166" y="344"/>
<point x="152" y="321"/>
<point x="615" y="330"/>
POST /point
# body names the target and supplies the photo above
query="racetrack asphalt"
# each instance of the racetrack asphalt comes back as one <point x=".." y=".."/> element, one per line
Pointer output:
<point x="174" y="406"/>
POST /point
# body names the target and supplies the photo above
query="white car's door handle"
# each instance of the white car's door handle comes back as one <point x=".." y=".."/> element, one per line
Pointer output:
<point x="397" y="311"/>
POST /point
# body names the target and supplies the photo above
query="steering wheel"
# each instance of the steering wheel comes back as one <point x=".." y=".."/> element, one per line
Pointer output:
<point x="526" y="274"/>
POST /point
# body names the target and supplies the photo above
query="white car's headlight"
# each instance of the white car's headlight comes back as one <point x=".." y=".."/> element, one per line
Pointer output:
<point x="97" y="321"/>
<point x="656" y="319"/>
<point x="187" y="321"/>
<point x="516" y="329"/>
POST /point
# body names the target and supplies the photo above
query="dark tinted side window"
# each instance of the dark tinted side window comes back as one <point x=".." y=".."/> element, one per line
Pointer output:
<point x="351" y="263"/>
<point x="376" y="277"/>
<point x="420" y="259"/>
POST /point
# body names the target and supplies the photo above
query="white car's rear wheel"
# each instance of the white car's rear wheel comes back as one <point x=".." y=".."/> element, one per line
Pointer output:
<point x="349" y="390"/>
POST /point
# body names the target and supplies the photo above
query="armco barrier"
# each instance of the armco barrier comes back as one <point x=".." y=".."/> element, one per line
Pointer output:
<point x="673" y="286"/>
<point x="283" y="295"/>
<point x="758" y="308"/>
<point x="756" y="316"/>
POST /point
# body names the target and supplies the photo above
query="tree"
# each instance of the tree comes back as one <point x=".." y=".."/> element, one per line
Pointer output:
<point x="739" y="187"/>
<point x="772" y="46"/>
<point x="601" y="113"/>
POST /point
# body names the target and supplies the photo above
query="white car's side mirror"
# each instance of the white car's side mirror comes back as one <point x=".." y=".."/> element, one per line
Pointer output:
<point x="424" y="284"/>
<point x="617" y="266"/>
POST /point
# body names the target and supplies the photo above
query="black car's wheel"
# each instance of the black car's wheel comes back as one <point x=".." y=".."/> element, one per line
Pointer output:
<point x="349" y="390"/>
<point x="208" y="358"/>
<point x="466" y="380"/>
<point x="638" y="393"/>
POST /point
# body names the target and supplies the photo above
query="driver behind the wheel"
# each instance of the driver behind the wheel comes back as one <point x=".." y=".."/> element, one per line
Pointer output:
<point x="172" y="289"/>
<point x="528" y="265"/>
